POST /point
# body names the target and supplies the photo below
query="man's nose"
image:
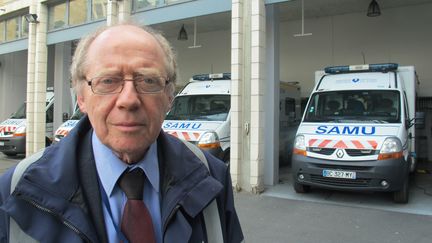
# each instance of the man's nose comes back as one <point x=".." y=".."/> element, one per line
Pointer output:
<point x="128" y="97"/>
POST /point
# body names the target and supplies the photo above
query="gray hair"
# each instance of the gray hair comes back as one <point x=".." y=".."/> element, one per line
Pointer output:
<point x="79" y="65"/>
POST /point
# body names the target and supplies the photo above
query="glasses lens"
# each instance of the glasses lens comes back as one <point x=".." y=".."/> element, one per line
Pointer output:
<point x="107" y="85"/>
<point x="149" y="84"/>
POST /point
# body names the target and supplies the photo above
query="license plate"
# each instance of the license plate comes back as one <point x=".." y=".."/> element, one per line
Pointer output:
<point x="1" y="143"/>
<point x="339" y="174"/>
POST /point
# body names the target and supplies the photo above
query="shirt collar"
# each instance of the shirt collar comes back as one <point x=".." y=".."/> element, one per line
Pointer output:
<point x="110" y="167"/>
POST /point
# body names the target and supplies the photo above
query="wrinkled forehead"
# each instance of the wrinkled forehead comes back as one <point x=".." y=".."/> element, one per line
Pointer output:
<point x="126" y="39"/>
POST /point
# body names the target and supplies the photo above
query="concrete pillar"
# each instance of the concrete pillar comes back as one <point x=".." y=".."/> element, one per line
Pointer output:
<point x="258" y="81"/>
<point x="112" y="12"/>
<point x="247" y="94"/>
<point x="238" y="133"/>
<point x="41" y="67"/>
<point x="124" y="10"/>
<point x="62" y="84"/>
<point x="30" y="133"/>
<point x="271" y="164"/>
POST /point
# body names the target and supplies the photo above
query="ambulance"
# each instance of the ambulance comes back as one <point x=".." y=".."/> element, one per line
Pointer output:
<point x="64" y="129"/>
<point x="201" y="114"/>
<point x="13" y="130"/>
<point x="357" y="131"/>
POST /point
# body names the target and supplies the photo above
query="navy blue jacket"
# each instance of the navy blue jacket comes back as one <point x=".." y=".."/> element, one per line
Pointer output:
<point x="58" y="197"/>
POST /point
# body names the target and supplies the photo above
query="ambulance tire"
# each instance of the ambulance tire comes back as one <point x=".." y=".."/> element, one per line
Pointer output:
<point x="226" y="158"/>
<point x="47" y="142"/>
<point x="299" y="188"/>
<point x="402" y="195"/>
<point x="10" y="154"/>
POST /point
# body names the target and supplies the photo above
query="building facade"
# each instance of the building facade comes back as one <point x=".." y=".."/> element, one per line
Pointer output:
<point x="258" y="41"/>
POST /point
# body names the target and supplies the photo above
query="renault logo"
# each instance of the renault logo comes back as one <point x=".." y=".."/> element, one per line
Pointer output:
<point x="339" y="153"/>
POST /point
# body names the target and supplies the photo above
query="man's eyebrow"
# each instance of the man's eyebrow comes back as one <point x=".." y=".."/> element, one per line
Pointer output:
<point x="147" y="72"/>
<point x="108" y="72"/>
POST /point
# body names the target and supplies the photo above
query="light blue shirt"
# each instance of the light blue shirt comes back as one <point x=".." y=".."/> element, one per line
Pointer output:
<point x="110" y="168"/>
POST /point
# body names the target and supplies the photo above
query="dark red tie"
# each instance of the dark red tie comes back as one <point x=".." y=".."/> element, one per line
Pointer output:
<point x="136" y="220"/>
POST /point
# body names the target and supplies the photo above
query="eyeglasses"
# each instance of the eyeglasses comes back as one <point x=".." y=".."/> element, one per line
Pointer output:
<point x="114" y="84"/>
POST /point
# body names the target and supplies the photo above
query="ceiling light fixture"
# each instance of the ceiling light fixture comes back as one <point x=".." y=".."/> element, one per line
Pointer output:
<point x="195" y="35"/>
<point x="182" y="34"/>
<point x="373" y="9"/>
<point x="302" y="30"/>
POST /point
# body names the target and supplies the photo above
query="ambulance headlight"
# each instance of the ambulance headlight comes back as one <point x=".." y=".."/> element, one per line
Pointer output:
<point x="391" y="149"/>
<point x="391" y="145"/>
<point x="20" y="131"/>
<point x="299" y="145"/>
<point x="299" y="142"/>
<point x="209" y="140"/>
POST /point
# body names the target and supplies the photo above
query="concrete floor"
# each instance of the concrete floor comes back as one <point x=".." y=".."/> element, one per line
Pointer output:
<point x="420" y="201"/>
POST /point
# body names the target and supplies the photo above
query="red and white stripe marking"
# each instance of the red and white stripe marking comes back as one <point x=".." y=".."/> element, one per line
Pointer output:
<point x="7" y="129"/>
<point x="62" y="132"/>
<point x="343" y="144"/>
<point x="188" y="136"/>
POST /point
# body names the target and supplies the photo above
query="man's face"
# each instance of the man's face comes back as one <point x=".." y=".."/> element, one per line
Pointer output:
<point x="127" y="122"/>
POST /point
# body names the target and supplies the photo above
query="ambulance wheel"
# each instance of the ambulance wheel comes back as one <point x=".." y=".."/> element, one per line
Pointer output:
<point x="299" y="188"/>
<point x="402" y="195"/>
<point x="47" y="142"/>
<point x="226" y="158"/>
<point x="11" y="154"/>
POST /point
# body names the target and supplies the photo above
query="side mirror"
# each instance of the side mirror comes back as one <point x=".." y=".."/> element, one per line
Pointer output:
<point x="418" y="121"/>
<point x="65" y="116"/>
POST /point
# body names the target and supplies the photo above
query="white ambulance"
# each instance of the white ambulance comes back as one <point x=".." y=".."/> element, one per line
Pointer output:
<point x="201" y="114"/>
<point x="13" y="130"/>
<point x="64" y="129"/>
<point x="357" y="131"/>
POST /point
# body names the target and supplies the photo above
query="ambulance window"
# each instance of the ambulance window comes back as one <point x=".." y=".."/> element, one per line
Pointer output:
<point x="406" y="108"/>
<point x="77" y="115"/>
<point x="20" y="113"/>
<point x="289" y="106"/>
<point x="200" y="107"/>
<point x="376" y="106"/>
<point x="49" y="114"/>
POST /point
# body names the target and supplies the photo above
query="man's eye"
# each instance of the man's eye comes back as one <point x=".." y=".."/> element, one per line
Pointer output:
<point x="109" y="80"/>
<point x="147" y="80"/>
<point x="150" y="80"/>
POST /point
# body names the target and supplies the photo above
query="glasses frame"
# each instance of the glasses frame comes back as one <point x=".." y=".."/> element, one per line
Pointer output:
<point x="90" y="82"/>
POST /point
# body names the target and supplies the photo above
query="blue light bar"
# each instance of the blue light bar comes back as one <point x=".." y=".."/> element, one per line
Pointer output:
<point x="380" y="67"/>
<point x="212" y="76"/>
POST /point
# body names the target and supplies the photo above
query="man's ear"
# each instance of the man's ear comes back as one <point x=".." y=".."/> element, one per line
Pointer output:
<point x="81" y="103"/>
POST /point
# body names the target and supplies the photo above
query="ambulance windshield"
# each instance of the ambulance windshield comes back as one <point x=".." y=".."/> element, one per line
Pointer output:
<point x="200" y="107"/>
<point x="77" y="115"/>
<point x="377" y="106"/>
<point x="20" y="113"/>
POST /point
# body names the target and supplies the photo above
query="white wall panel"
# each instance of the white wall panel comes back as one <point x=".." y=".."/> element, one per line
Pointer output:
<point x="401" y="35"/>
<point x="13" y="78"/>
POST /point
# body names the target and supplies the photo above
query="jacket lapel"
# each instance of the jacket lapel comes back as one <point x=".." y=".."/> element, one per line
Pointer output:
<point x="90" y="185"/>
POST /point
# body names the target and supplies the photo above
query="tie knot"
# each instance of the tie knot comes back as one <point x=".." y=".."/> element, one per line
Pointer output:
<point x="132" y="183"/>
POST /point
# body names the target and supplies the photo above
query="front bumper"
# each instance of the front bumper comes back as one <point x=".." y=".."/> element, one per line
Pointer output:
<point x="12" y="144"/>
<point x="369" y="174"/>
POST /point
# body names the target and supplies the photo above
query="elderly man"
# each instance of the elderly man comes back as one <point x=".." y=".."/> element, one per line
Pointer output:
<point x="117" y="177"/>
